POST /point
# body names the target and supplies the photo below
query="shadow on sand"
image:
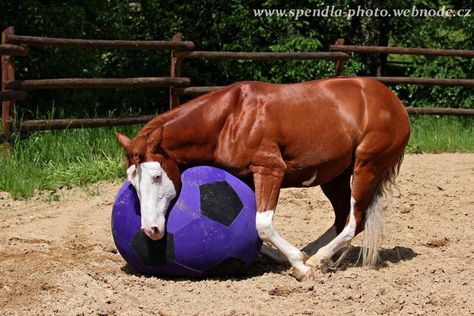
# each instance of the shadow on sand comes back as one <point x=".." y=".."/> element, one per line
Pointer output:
<point x="394" y="255"/>
<point x="264" y="265"/>
<point x="261" y="266"/>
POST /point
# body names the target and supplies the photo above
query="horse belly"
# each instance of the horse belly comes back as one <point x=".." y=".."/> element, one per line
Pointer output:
<point x="317" y="174"/>
<point x="319" y="154"/>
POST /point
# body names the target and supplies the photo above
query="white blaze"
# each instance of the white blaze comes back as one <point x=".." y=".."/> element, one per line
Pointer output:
<point x="155" y="191"/>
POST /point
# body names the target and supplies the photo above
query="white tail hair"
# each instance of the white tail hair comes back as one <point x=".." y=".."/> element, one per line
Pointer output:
<point x="374" y="217"/>
<point x="373" y="231"/>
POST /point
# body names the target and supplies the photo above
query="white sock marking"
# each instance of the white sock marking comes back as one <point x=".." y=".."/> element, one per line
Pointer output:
<point x="341" y="240"/>
<point x="322" y="241"/>
<point x="264" y="225"/>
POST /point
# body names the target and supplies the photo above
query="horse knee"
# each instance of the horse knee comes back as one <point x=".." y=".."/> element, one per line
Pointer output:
<point x="264" y="225"/>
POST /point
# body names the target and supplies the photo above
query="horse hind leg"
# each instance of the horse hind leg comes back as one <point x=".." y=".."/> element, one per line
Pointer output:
<point x="370" y="178"/>
<point x="342" y="240"/>
<point x="338" y="191"/>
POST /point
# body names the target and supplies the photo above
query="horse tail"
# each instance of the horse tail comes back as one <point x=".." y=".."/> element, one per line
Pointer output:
<point x="374" y="216"/>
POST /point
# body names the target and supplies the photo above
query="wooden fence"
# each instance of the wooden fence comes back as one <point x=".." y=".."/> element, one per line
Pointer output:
<point x="339" y="47"/>
<point x="15" y="45"/>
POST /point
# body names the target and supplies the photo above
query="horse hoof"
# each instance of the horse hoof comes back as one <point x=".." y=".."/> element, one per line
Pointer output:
<point x="302" y="273"/>
<point x="313" y="262"/>
<point x="323" y="264"/>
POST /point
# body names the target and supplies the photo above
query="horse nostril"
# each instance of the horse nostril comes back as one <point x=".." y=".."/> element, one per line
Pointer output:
<point x="153" y="233"/>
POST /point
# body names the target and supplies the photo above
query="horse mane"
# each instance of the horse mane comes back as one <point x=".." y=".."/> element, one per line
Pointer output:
<point x="144" y="134"/>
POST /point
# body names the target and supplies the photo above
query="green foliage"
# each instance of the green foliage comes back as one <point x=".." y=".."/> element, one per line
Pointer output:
<point x="100" y="19"/>
<point x="291" y="71"/>
<point x="228" y="25"/>
<point x="442" y="33"/>
<point x="442" y="96"/>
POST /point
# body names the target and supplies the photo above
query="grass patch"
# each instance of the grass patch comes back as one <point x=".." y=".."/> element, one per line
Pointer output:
<point x="436" y="134"/>
<point x="51" y="159"/>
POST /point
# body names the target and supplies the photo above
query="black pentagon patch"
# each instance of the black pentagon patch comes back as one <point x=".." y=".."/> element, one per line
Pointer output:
<point x="153" y="252"/>
<point x="220" y="202"/>
<point x="230" y="266"/>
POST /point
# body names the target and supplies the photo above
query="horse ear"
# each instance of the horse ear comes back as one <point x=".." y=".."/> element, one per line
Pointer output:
<point x="123" y="140"/>
<point x="155" y="138"/>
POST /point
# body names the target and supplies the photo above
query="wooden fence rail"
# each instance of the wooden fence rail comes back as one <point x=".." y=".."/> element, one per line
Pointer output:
<point x="39" y="125"/>
<point x="13" y="50"/>
<point x="387" y="80"/>
<point x="261" y="55"/>
<point x="441" y="111"/>
<point x="401" y="50"/>
<point x="197" y="90"/>
<point x="75" y="83"/>
<point x="426" y="81"/>
<point x="178" y="56"/>
<point x="102" y="44"/>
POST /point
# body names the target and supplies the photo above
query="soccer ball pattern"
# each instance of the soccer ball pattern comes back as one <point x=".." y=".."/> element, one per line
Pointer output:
<point x="210" y="228"/>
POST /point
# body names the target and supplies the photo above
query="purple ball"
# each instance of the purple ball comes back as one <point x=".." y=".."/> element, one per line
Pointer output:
<point x="210" y="228"/>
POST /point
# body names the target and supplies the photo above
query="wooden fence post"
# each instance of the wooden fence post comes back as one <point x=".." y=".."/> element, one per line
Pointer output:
<point x="8" y="74"/>
<point x="175" y="71"/>
<point x="339" y="62"/>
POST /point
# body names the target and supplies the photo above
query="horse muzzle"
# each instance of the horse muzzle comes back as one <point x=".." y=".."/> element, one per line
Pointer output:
<point x="154" y="233"/>
<point x="155" y="229"/>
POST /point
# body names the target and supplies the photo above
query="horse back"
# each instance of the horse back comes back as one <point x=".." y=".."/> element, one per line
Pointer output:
<point x="312" y="124"/>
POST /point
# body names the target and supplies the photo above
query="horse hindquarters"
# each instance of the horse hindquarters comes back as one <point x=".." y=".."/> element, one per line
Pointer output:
<point x="371" y="180"/>
<point x="378" y="157"/>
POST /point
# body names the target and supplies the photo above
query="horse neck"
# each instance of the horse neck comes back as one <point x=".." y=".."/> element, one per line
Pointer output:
<point x="190" y="134"/>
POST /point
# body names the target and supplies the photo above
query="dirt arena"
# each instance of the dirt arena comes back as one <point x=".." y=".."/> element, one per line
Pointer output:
<point x="58" y="257"/>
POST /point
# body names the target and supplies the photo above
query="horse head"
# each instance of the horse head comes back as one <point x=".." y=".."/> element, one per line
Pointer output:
<point x="156" y="179"/>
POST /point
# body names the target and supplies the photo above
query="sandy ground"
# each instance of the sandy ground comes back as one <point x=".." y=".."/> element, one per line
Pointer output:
<point x="58" y="257"/>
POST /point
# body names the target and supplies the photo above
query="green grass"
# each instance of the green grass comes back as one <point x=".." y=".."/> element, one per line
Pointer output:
<point x="436" y="134"/>
<point x="51" y="159"/>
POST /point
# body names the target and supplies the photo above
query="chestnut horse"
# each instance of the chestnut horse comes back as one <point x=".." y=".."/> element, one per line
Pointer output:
<point x="346" y="134"/>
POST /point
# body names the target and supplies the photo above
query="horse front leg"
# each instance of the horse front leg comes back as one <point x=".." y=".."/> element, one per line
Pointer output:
<point x="267" y="189"/>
